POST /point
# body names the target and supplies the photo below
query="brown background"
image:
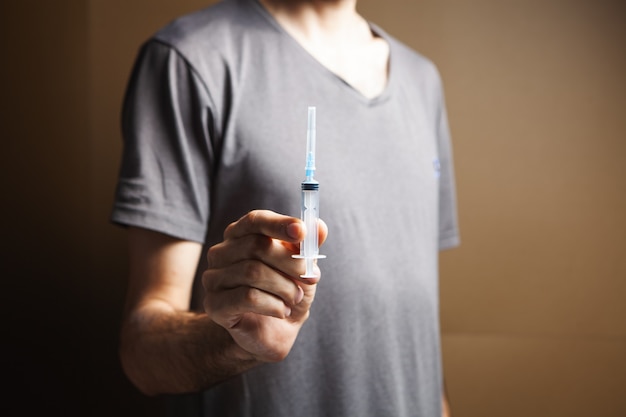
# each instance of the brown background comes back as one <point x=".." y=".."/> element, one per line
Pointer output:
<point x="533" y="311"/>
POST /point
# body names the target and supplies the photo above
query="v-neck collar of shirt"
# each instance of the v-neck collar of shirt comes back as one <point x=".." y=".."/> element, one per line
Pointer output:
<point x="382" y="97"/>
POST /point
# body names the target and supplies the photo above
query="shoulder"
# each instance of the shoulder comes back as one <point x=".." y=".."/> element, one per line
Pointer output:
<point x="220" y="28"/>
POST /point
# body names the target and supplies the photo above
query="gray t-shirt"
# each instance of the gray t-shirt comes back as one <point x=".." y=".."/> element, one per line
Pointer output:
<point x="214" y="125"/>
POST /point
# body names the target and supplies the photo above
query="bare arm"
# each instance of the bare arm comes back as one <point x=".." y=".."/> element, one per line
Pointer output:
<point x="254" y="305"/>
<point x="445" y="404"/>
<point x="165" y="347"/>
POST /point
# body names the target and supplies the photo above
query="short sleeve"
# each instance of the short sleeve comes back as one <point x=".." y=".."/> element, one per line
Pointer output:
<point x="448" y="219"/>
<point x="164" y="177"/>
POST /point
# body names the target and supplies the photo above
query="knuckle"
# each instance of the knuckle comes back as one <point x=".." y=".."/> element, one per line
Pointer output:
<point x="251" y="219"/>
<point x="209" y="281"/>
<point x="205" y="280"/>
<point x="229" y="229"/>
<point x="211" y="256"/>
<point x="253" y="215"/>
<point x="252" y="296"/>
<point x="252" y="268"/>
<point x="215" y="308"/>
<point x="262" y="244"/>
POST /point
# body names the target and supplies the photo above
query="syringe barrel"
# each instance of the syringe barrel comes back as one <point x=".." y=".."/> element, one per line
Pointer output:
<point x="309" y="247"/>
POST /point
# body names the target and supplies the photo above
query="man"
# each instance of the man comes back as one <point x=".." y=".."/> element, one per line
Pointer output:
<point x="214" y="126"/>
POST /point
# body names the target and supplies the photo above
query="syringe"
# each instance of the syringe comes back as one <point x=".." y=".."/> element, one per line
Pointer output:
<point x="309" y="248"/>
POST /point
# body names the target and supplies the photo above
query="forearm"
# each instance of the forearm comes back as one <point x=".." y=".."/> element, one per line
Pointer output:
<point x="166" y="351"/>
<point x="445" y="404"/>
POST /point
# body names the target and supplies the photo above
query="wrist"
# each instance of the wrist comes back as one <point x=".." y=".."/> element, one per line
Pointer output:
<point x="227" y="358"/>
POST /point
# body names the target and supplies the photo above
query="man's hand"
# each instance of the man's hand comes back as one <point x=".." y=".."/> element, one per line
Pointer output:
<point x="253" y="287"/>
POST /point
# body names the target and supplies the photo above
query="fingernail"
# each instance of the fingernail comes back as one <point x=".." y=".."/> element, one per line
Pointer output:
<point x="293" y="230"/>
<point x="299" y="296"/>
<point x="287" y="311"/>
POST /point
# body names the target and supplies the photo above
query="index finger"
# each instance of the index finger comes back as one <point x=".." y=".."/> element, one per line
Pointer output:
<point x="268" y="223"/>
